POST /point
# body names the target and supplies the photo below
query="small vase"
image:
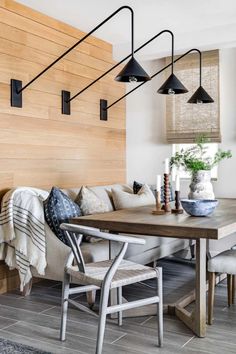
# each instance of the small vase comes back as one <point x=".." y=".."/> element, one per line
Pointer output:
<point x="201" y="186"/>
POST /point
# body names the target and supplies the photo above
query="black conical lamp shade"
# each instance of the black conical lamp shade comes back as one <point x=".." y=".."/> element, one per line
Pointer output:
<point x="172" y="86"/>
<point x="132" y="72"/>
<point x="200" y="96"/>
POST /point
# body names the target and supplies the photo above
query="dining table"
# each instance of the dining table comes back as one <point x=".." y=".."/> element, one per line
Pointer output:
<point x="142" y="221"/>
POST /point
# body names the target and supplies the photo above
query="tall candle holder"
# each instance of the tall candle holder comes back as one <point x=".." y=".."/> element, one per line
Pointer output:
<point x="159" y="210"/>
<point x="166" y="207"/>
<point x="178" y="209"/>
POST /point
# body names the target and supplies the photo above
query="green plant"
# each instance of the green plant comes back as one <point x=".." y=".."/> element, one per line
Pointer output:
<point x="195" y="158"/>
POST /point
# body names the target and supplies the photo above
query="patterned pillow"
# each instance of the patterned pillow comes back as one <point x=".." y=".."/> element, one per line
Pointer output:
<point x="59" y="208"/>
<point x="90" y="203"/>
<point x="123" y="199"/>
<point x="137" y="186"/>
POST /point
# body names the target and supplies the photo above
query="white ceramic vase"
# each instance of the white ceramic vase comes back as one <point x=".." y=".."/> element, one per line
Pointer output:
<point x="201" y="186"/>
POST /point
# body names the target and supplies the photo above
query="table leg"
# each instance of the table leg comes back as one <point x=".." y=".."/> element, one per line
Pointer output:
<point x="200" y="304"/>
<point x="195" y="320"/>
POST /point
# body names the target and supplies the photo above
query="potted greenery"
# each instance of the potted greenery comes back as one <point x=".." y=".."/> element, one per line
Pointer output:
<point x="199" y="164"/>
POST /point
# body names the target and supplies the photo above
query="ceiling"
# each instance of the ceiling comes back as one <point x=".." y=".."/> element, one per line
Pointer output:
<point x="205" y="24"/>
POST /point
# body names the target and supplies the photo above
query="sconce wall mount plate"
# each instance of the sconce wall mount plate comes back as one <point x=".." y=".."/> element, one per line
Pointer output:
<point x="16" y="93"/>
<point x="65" y="108"/>
<point x="103" y="109"/>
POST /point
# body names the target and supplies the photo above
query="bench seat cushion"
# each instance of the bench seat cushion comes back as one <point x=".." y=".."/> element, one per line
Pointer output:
<point x="151" y="243"/>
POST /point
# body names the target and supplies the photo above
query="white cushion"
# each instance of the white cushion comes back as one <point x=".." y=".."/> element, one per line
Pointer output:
<point x="127" y="199"/>
<point x="90" y="203"/>
<point x="224" y="262"/>
<point x="104" y="193"/>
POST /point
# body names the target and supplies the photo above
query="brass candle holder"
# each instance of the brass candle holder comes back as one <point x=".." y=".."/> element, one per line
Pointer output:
<point x="178" y="209"/>
<point x="166" y="207"/>
<point x="159" y="210"/>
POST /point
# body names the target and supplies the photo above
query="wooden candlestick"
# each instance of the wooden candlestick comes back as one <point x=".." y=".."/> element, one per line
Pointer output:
<point x="158" y="210"/>
<point x="178" y="209"/>
<point x="166" y="207"/>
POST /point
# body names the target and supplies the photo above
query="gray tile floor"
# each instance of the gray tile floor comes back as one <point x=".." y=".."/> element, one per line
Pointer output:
<point x="35" y="321"/>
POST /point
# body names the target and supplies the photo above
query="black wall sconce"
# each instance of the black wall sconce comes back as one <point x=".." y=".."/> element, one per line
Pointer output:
<point x="200" y="95"/>
<point x="172" y="84"/>
<point x="132" y="72"/>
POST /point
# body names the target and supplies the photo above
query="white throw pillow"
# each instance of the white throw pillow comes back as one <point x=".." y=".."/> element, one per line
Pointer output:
<point x="124" y="200"/>
<point x="90" y="203"/>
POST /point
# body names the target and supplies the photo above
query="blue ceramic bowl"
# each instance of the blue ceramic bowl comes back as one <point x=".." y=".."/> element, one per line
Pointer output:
<point x="199" y="207"/>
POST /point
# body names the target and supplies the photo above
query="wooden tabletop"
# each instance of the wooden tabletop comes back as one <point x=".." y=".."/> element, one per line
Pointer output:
<point x="141" y="221"/>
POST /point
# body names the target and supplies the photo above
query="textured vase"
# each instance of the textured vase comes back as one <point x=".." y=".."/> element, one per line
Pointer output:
<point x="201" y="186"/>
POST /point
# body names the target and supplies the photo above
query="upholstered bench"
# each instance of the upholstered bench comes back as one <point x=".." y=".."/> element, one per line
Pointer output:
<point x="155" y="247"/>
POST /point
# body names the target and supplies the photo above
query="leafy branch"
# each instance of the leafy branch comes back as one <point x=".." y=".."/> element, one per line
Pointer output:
<point x="195" y="158"/>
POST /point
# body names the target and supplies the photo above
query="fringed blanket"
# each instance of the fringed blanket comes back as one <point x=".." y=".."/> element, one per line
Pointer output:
<point x="22" y="235"/>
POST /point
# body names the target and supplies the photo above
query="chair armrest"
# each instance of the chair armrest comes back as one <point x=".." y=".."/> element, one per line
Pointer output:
<point x="90" y="231"/>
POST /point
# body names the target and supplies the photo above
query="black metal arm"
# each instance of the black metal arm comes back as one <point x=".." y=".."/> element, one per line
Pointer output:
<point x="128" y="56"/>
<point x="83" y="39"/>
<point x="16" y="85"/>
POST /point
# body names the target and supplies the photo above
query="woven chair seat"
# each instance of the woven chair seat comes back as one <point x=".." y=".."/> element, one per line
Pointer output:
<point x="127" y="273"/>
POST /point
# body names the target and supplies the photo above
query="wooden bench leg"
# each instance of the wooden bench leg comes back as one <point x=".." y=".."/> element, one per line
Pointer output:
<point x="211" y="294"/>
<point x="91" y="298"/>
<point x="230" y="288"/>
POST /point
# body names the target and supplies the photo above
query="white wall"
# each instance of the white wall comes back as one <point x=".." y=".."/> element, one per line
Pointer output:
<point x="146" y="147"/>
<point x="226" y="184"/>
<point x="145" y="111"/>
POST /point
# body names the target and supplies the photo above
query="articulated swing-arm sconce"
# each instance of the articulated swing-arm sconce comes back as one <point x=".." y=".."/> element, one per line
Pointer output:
<point x="172" y="82"/>
<point x="200" y="95"/>
<point x="66" y="99"/>
<point x="135" y="70"/>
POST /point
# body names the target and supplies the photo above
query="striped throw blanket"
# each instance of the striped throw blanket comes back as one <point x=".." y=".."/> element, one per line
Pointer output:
<point x="22" y="235"/>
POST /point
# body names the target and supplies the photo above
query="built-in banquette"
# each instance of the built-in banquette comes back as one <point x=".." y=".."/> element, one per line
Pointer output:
<point x="39" y="146"/>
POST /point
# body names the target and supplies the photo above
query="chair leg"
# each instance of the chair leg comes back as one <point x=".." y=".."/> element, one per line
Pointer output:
<point x="119" y="301"/>
<point x="64" y="306"/>
<point x="233" y="289"/>
<point x="229" y="288"/>
<point x="192" y="249"/>
<point x="102" y="317"/>
<point x="211" y="293"/>
<point x="91" y="298"/>
<point x="160" y="306"/>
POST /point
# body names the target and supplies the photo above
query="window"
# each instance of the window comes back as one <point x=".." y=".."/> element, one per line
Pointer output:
<point x="184" y="121"/>
<point x="212" y="149"/>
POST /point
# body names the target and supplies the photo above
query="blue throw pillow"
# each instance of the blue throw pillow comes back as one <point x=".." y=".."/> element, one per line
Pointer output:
<point x="137" y="186"/>
<point x="59" y="208"/>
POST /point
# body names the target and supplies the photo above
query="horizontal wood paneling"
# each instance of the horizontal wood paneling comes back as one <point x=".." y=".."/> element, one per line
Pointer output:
<point x="39" y="146"/>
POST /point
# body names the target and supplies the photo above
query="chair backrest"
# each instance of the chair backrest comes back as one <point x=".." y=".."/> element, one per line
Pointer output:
<point x="91" y="231"/>
<point x="74" y="234"/>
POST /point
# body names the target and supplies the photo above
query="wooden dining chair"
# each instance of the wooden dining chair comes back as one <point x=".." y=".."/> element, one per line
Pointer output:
<point x="224" y="262"/>
<point x="106" y="275"/>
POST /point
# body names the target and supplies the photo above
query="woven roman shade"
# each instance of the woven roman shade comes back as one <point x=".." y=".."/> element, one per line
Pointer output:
<point x="185" y="121"/>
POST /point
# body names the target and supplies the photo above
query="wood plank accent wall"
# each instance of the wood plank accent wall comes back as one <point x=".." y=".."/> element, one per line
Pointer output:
<point x="39" y="146"/>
